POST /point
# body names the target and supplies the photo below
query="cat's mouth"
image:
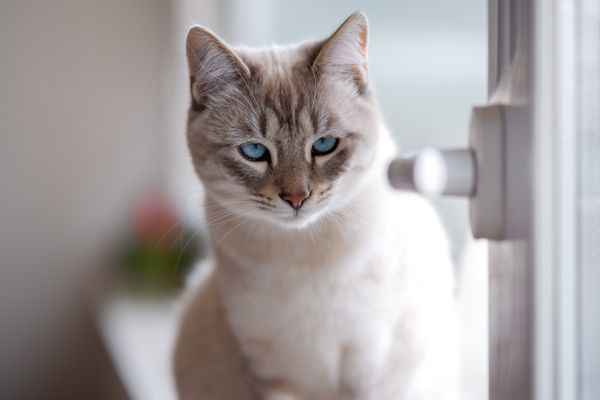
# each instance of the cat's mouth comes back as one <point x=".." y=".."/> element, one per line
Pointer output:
<point x="294" y="215"/>
<point x="283" y="214"/>
<point x="298" y="218"/>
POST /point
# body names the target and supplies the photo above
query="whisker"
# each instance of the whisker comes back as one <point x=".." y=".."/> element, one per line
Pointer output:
<point x="312" y="236"/>
<point x="214" y="247"/>
<point x="322" y="199"/>
<point x="187" y="243"/>
<point x="175" y="225"/>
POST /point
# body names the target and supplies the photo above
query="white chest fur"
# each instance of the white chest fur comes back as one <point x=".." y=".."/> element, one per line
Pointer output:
<point x="322" y="331"/>
<point x="326" y="326"/>
<point x="330" y="326"/>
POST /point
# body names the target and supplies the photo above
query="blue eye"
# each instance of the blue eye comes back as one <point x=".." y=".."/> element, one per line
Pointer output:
<point x="254" y="152"/>
<point x="324" y="145"/>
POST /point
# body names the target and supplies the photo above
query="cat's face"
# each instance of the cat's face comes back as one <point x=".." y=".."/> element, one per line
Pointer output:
<point x="285" y="134"/>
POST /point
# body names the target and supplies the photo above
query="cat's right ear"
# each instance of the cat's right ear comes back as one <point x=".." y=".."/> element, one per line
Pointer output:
<point x="344" y="54"/>
<point x="212" y="66"/>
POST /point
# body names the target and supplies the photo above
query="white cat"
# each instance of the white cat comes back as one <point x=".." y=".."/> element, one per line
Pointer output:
<point x="323" y="282"/>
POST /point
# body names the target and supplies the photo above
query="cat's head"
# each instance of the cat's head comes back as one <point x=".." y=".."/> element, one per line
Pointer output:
<point x="284" y="133"/>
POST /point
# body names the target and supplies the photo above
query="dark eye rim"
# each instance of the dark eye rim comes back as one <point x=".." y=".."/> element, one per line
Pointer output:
<point x="316" y="152"/>
<point x="265" y="157"/>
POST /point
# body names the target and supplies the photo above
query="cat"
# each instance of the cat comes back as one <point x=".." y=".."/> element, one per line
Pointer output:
<point x="323" y="283"/>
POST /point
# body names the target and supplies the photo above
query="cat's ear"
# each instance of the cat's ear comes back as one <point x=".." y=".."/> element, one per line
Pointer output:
<point x="344" y="54"/>
<point x="212" y="65"/>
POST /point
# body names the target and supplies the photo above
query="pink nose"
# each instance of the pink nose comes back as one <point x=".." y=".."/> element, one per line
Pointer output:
<point x="295" y="200"/>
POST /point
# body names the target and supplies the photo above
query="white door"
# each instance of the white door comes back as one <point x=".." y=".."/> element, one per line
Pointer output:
<point x="532" y="173"/>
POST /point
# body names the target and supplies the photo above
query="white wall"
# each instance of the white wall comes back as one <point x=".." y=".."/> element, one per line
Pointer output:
<point x="81" y="135"/>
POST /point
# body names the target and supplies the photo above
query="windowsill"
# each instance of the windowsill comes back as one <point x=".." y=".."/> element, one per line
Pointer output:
<point x="139" y="333"/>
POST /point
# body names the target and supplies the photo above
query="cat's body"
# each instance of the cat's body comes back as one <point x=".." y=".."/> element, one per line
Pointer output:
<point x="350" y="300"/>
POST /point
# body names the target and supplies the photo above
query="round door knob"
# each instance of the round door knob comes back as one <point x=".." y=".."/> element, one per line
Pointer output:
<point x="434" y="172"/>
<point x="478" y="172"/>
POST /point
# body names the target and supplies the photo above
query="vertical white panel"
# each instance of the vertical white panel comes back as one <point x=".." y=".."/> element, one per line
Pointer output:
<point x="568" y="230"/>
<point x="588" y="195"/>
<point x="565" y="235"/>
<point x="543" y="191"/>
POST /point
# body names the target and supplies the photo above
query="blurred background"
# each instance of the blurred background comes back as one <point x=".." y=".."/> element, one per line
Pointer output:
<point x="100" y="211"/>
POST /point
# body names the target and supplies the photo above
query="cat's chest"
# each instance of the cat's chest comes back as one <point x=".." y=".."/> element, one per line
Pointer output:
<point x="317" y="331"/>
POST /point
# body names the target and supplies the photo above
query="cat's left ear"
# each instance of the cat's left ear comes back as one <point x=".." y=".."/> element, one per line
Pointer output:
<point x="344" y="54"/>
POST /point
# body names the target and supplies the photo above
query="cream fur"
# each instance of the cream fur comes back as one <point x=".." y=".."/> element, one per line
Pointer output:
<point x="351" y="298"/>
<point x="358" y="307"/>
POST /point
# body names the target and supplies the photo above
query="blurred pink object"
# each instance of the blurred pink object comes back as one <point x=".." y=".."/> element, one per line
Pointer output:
<point x="155" y="221"/>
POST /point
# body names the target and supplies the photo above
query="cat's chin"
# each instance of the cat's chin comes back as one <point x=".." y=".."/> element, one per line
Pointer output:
<point x="295" y="221"/>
